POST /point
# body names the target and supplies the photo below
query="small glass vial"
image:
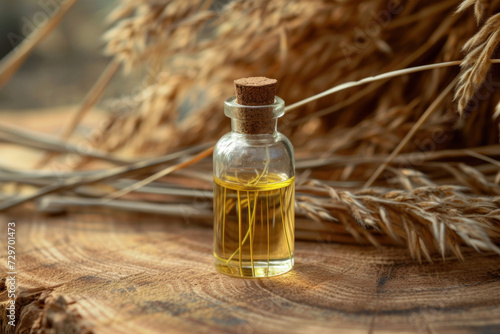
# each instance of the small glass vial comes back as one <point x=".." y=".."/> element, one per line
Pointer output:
<point x="254" y="186"/>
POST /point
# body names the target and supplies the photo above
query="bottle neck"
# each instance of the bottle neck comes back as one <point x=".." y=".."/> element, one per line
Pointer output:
<point x="254" y="120"/>
<point x="254" y="127"/>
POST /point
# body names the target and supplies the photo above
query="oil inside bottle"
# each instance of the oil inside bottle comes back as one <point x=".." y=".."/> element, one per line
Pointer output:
<point x="254" y="224"/>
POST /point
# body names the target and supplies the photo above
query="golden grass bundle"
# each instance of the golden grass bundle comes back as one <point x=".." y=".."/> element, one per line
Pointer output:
<point x="394" y="159"/>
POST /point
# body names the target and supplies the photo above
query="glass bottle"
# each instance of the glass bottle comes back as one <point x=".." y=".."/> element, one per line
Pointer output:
<point x="254" y="193"/>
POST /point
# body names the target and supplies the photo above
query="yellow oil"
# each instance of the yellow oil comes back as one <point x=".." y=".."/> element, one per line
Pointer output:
<point x="254" y="224"/>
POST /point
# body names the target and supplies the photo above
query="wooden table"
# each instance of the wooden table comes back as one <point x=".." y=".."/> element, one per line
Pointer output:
<point x="131" y="273"/>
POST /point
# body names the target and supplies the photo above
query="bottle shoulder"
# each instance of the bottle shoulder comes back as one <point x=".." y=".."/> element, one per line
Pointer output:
<point x="235" y="141"/>
<point x="272" y="153"/>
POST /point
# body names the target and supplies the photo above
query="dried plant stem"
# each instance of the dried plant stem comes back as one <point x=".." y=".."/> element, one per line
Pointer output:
<point x="11" y="63"/>
<point x="160" y="174"/>
<point x="92" y="97"/>
<point x="336" y="107"/>
<point x="48" y="176"/>
<point x="158" y="188"/>
<point x="491" y="150"/>
<point x="45" y="142"/>
<point x="90" y="101"/>
<point x="101" y="176"/>
<point x="482" y="157"/>
<point x="57" y="204"/>
<point x="363" y="81"/>
<point x="411" y="133"/>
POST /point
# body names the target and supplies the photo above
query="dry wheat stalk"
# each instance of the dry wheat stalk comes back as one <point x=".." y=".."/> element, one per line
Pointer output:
<point x="428" y="219"/>
<point x="476" y="64"/>
<point x="479" y="8"/>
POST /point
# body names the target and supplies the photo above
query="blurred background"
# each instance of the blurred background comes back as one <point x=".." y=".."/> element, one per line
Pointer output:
<point x="64" y="66"/>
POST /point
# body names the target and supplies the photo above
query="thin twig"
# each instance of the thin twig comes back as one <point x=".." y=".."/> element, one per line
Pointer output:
<point x="11" y="63"/>
<point x="90" y="100"/>
<point x="46" y="142"/>
<point x="411" y="133"/>
<point x="363" y="81"/>
<point x="56" y="204"/>
<point x="480" y="156"/>
<point x="340" y="160"/>
<point x="160" y="174"/>
<point x="156" y="188"/>
<point x="102" y="176"/>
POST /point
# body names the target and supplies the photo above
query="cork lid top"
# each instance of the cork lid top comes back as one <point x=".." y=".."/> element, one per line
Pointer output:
<point x="255" y="91"/>
<point x="255" y="81"/>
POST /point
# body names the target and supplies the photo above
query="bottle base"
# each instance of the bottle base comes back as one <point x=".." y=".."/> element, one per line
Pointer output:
<point x="259" y="268"/>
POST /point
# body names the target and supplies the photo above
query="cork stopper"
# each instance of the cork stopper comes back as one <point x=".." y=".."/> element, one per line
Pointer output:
<point x="255" y="91"/>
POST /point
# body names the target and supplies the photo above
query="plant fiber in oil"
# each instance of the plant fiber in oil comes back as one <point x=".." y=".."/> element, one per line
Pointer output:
<point x="254" y="225"/>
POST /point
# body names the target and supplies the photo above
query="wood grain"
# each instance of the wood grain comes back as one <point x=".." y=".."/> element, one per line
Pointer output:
<point x="88" y="273"/>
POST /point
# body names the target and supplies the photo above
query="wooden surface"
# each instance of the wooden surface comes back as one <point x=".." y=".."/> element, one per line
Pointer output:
<point x="146" y="274"/>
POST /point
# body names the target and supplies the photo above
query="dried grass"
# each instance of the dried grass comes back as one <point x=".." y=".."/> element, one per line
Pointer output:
<point x="433" y="176"/>
<point x="476" y="64"/>
<point x="428" y="219"/>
